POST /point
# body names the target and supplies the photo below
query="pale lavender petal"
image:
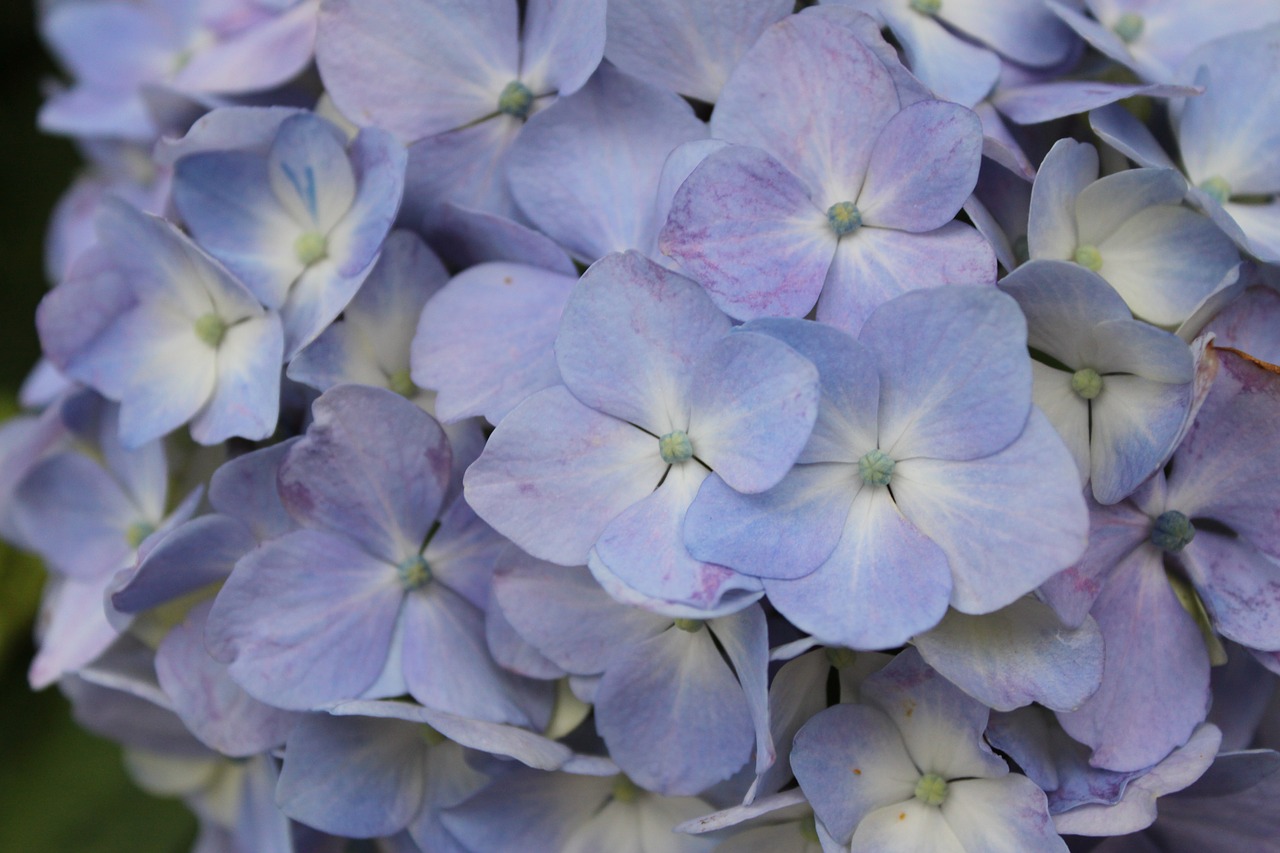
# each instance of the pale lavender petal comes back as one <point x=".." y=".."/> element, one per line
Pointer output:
<point x="306" y="619"/>
<point x="384" y="500"/>
<point x="447" y="663"/>
<point x="1017" y="655"/>
<point x="555" y="473"/>
<point x="874" y="265"/>
<point x="261" y="56"/>
<point x="665" y="736"/>
<point x="752" y="401"/>
<point x="849" y="761"/>
<point x="246" y="395"/>
<point x="309" y="172"/>
<point x="1106" y="204"/>
<point x="1249" y="324"/>
<point x="952" y="67"/>
<point x="245" y="489"/>
<point x="1114" y="532"/>
<point x="455" y="57"/>
<point x="884" y="582"/>
<point x="466" y="167"/>
<point x="485" y="340"/>
<point x="1067" y="170"/>
<point x="747" y="230"/>
<point x="567" y="616"/>
<point x="644" y="547"/>
<point x="1120" y="129"/>
<point x="815" y="135"/>
<point x="563" y="42"/>
<point x="970" y="397"/>
<point x="924" y="165"/>
<point x="744" y="637"/>
<point x="687" y="48"/>
<point x="1155" y="682"/>
<point x="1004" y="528"/>
<point x="465" y="238"/>
<point x="630" y="337"/>
<point x="213" y="706"/>
<point x="1135" y="423"/>
<point x="379" y="162"/>
<point x="355" y="776"/>
<point x="907" y="825"/>
<point x="785" y="532"/>
<point x="1027" y="33"/>
<point x="624" y="129"/>
<point x="940" y="725"/>
<point x="1041" y="102"/>
<point x="75" y="630"/>
<point x="1240" y="587"/>
<point x="1066" y="410"/>
<point x="1008" y="815"/>
<point x="1062" y="301"/>
<point x="194" y="555"/>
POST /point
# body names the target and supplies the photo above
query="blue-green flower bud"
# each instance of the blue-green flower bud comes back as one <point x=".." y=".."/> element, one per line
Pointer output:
<point x="675" y="447"/>
<point x="516" y="100"/>
<point x="876" y="468"/>
<point x="210" y="328"/>
<point x="414" y="572"/>
<point x="844" y="218"/>
<point x="1086" y="382"/>
<point x="1172" y="531"/>
<point x="312" y="247"/>
<point x="931" y="789"/>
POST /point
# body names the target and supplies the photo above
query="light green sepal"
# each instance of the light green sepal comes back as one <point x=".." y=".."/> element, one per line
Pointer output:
<point x="1193" y="604"/>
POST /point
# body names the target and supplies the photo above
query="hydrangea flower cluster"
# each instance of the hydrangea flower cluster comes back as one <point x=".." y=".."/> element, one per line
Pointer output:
<point x="650" y="425"/>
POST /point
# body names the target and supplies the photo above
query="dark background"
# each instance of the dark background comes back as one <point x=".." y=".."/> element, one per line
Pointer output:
<point x="62" y="790"/>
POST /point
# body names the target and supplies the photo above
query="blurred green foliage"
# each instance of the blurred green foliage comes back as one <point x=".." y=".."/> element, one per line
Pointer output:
<point x="62" y="790"/>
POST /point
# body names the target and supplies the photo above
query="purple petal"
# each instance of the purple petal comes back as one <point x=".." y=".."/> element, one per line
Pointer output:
<point x="884" y="582"/>
<point x="923" y="167"/>
<point x="874" y="265"/>
<point x="306" y="619"/>
<point x="563" y="42"/>
<point x="744" y="637"/>
<point x="1004" y="528"/>
<point x="814" y="134"/>
<point x="1067" y="169"/>
<point x="1015" y="656"/>
<point x="194" y="555"/>
<point x="355" y="776"/>
<point x="753" y="401"/>
<point x="629" y="338"/>
<point x="687" y="48"/>
<point x="746" y="228"/>
<point x="455" y="57"/>
<point x="246" y="394"/>
<point x="584" y="170"/>
<point x="555" y="473"/>
<point x="214" y="707"/>
<point x="485" y="341"/>
<point x="970" y="397"/>
<point x="665" y="736"/>
<point x="329" y="480"/>
<point x="1155" y="681"/>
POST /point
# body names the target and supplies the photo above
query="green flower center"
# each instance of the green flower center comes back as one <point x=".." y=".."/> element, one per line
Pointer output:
<point x="431" y="736"/>
<point x="1128" y="27"/>
<point x="1088" y="257"/>
<point x="809" y="829"/>
<point x="675" y="447"/>
<point x="1172" y="531"/>
<point x="1217" y="189"/>
<point x="414" y="572"/>
<point x="844" y="218"/>
<point x="927" y="7"/>
<point x="137" y="532"/>
<point x="311" y="248"/>
<point x="516" y="100"/>
<point x="691" y="626"/>
<point x="624" y="790"/>
<point x="210" y="328"/>
<point x="402" y="383"/>
<point x="931" y="789"/>
<point x="1086" y="382"/>
<point x="876" y="468"/>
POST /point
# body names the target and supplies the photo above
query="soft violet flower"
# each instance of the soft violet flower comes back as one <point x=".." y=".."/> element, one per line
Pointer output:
<point x="909" y="771"/>
<point x="380" y="592"/>
<point x="657" y="394"/>
<point x="676" y="716"/>
<point x="1153" y="39"/>
<point x="938" y="40"/>
<point x="1116" y="389"/>
<point x="690" y="48"/>
<point x="1086" y="800"/>
<point x="201" y="48"/>
<point x="930" y="477"/>
<point x="844" y="186"/>
<point x="1212" y="523"/>
<point x="527" y="810"/>
<point x="298" y="215"/>
<point x="1251" y="324"/>
<point x="457" y="78"/>
<point x="1225" y="138"/>
<point x="1131" y="229"/>
<point x="150" y="321"/>
<point x="371" y="344"/>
